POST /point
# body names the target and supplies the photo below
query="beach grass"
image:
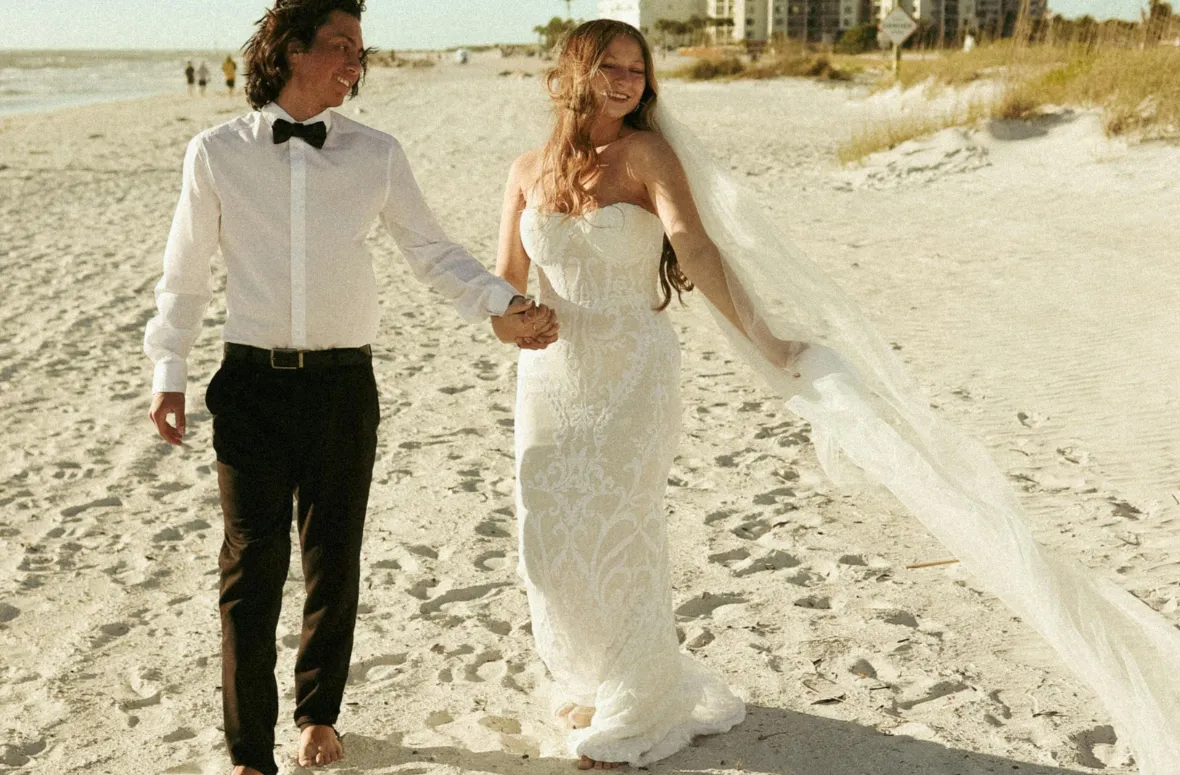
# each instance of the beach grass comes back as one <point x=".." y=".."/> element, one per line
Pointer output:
<point x="793" y="62"/>
<point x="883" y="135"/>
<point x="1136" y="86"/>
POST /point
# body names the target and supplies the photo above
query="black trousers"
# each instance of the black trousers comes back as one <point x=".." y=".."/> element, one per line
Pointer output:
<point x="304" y="438"/>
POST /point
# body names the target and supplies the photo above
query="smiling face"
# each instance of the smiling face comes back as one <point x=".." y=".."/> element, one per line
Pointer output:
<point x="621" y="78"/>
<point x="323" y="74"/>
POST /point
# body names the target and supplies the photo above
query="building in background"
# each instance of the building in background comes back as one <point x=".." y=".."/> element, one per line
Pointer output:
<point x="997" y="18"/>
<point x="818" y="21"/>
<point x="643" y="14"/>
<point x="749" y="18"/>
<point x="824" y="21"/>
<point x="811" y="20"/>
<point x="954" y="18"/>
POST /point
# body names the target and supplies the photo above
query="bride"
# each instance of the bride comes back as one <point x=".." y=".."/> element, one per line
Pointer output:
<point x="619" y="210"/>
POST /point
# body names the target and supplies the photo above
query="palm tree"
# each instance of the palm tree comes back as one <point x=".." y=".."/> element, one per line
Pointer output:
<point x="569" y="9"/>
<point x="552" y="32"/>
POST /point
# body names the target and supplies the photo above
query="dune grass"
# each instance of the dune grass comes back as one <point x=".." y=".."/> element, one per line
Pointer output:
<point x="797" y="62"/>
<point x="1137" y="87"/>
<point x="888" y="134"/>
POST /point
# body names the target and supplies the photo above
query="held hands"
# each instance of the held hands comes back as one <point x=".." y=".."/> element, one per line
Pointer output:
<point x="529" y="326"/>
<point x="164" y="404"/>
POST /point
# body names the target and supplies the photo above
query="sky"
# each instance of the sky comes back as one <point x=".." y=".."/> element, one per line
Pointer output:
<point x="388" y="24"/>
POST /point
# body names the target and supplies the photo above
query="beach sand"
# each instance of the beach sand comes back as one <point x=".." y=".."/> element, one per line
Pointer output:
<point x="1026" y="274"/>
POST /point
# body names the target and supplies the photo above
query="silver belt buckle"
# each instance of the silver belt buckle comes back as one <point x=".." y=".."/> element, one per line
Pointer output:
<point x="297" y="361"/>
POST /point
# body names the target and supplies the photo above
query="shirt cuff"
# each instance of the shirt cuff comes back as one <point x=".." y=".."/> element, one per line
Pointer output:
<point x="500" y="297"/>
<point x="170" y="377"/>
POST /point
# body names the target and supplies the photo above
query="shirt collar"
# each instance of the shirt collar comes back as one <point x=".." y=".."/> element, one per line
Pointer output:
<point x="271" y="111"/>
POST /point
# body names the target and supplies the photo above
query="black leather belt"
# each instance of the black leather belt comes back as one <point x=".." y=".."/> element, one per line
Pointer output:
<point x="290" y="360"/>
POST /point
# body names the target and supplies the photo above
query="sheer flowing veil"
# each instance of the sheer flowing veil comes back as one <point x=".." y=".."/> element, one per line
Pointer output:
<point x="865" y="410"/>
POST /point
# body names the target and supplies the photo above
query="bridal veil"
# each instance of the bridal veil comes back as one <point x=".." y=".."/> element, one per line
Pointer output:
<point x="864" y="410"/>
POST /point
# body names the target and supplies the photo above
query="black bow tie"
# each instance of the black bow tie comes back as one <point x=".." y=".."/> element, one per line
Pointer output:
<point x="312" y="134"/>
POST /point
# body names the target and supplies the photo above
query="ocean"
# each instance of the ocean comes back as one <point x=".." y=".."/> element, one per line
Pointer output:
<point x="33" y="81"/>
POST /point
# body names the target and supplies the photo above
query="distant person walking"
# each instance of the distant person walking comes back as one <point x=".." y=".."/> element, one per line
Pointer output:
<point x="190" y="75"/>
<point x="230" y="68"/>
<point x="202" y="77"/>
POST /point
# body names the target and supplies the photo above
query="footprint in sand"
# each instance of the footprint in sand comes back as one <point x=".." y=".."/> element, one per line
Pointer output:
<point x="731" y="557"/>
<point x="935" y="692"/>
<point x="376" y="669"/>
<point x="1033" y="420"/>
<point x="8" y="612"/>
<point x="487" y="370"/>
<point x="139" y="704"/>
<point x="461" y="595"/>
<point x="1123" y="509"/>
<point x="1100" y="748"/>
<point x="177" y="735"/>
<point x="101" y="503"/>
<point x="719" y="515"/>
<point x="774" y="497"/>
<point x="903" y="618"/>
<point x="1074" y="455"/>
<point x="490" y="528"/>
<point x="496" y="626"/>
<point x="731" y="460"/>
<point x="752" y="530"/>
<point x="108" y="633"/>
<point x="1002" y="708"/>
<point x="775" y="560"/>
<point x="467" y="485"/>
<point x="706" y="604"/>
<point x="423" y="551"/>
<point x="694" y="640"/>
<point x="421" y="589"/>
<point x="488" y="561"/>
<point x="503" y="724"/>
<point x="863" y="668"/>
<point x="21" y="754"/>
<point x="487" y="666"/>
<point x="815" y="602"/>
<point x="803" y="578"/>
<point x="168" y="534"/>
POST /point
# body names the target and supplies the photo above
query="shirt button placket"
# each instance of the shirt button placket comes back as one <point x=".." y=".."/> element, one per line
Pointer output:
<point x="298" y="243"/>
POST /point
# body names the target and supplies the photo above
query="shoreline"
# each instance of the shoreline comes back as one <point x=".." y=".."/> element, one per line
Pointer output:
<point x="82" y="101"/>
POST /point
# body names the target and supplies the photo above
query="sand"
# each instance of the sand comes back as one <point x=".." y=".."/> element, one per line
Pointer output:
<point x="1026" y="273"/>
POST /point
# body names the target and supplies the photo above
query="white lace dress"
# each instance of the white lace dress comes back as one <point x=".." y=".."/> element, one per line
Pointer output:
<point x="597" y="424"/>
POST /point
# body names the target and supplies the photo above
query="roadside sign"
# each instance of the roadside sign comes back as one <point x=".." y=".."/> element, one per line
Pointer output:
<point x="898" y="26"/>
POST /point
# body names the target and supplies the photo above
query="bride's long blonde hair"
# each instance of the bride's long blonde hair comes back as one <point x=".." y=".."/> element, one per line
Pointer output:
<point x="569" y="159"/>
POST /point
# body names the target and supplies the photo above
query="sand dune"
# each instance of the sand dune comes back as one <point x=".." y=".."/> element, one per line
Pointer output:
<point x="1033" y="294"/>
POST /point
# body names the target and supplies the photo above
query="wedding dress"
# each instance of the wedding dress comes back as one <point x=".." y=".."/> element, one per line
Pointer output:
<point x="597" y="424"/>
<point x="596" y="417"/>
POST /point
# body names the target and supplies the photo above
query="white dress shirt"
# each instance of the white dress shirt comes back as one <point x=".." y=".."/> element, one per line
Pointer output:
<point x="291" y="222"/>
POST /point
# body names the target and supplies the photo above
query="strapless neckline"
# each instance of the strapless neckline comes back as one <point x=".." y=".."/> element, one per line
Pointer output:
<point x="588" y="213"/>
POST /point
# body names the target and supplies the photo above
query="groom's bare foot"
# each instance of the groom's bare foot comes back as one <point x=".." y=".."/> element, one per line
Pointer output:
<point x="319" y="745"/>
<point x="586" y="763"/>
<point x="244" y="770"/>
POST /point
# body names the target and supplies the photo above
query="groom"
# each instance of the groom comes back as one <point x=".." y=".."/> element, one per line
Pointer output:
<point x="287" y="193"/>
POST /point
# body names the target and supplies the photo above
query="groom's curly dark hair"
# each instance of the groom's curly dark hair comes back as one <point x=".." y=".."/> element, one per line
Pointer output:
<point x="267" y="69"/>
